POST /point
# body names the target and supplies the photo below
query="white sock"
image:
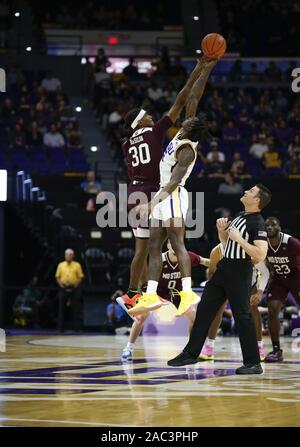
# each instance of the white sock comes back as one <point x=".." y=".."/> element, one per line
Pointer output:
<point x="130" y="346"/>
<point x="210" y="342"/>
<point x="152" y="286"/>
<point x="186" y="283"/>
<point x="260" y="343"/>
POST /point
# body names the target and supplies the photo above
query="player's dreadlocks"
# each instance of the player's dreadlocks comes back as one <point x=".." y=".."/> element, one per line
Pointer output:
<point x="199" y="131"/>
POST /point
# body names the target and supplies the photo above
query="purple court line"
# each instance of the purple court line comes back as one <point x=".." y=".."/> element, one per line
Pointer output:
<point x="44" y="391"/>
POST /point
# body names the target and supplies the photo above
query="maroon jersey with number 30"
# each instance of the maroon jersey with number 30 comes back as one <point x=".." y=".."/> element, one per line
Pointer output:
<point x="143" y="151"/>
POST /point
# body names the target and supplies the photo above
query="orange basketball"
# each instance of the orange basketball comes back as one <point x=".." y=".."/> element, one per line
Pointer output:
<point x="213" y="45"/>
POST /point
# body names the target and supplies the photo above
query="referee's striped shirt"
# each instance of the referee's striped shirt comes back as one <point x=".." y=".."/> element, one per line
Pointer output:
<point x="252" y="228"/>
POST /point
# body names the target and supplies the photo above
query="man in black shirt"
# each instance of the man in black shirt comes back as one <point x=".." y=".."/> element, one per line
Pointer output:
<point x="244" y="238"/>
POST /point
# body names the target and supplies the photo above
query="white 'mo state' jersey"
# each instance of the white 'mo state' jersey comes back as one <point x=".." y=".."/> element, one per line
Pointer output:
<point x="169" y="159"/>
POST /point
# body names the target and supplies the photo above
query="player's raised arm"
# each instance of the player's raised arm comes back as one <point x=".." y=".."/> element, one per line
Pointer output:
<point x="182" y="96"/>
<point x="198" y="88"/>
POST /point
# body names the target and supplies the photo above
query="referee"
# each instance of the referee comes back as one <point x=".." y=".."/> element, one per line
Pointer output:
<point x="244" y="238"/>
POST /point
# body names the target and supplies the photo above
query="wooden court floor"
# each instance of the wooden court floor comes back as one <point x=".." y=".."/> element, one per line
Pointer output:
<point x="80" y="381"/>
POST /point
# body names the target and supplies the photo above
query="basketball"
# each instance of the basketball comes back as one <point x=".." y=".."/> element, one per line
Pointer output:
<point x="213" y="45"/>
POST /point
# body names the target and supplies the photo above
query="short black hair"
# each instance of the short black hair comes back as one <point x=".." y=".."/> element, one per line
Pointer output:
<point x="264" y="195"/>
<point x="131" y="116"/>
<point x="274" y="218"/>
<point x="200" y="130"/>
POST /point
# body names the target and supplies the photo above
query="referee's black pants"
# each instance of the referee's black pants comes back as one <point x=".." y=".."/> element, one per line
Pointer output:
<point x="232" y="281"/>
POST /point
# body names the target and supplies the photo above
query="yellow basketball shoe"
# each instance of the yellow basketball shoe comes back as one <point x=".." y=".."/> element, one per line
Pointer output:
<point x="187" y="299"/>
<point x="147" y="302"/>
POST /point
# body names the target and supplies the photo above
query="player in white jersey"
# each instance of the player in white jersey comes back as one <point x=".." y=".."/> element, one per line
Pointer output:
<point x="169" y="207"/>
<point x="260" y="280"/>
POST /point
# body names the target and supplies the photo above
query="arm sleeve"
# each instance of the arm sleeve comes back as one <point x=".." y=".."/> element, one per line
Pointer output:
<point x="195" y="259"/>
<point x="57" y="274"/>
<point x="79" y="271"/>
<point x="257" y="230"/>
<point x="264" y="275"/>
<point x="294" y="245"/>
<point x="162" y="125"/>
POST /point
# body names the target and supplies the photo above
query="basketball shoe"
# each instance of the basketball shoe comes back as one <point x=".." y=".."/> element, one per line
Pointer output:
<point x="128" y="303"/>
<point x="274" y="356"/>
<point x="187" y="299"/>
<point x="207" y="353"/>
<point x="147" y="302"/>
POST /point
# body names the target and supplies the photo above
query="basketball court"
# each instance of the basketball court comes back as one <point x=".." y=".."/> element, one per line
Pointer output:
<point x="62" y="381"/>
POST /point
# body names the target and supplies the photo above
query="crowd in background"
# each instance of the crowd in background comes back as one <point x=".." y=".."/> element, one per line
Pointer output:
<point x="256" y="28"/>
<point x="109" y="15"/>
<point x="37" y="123"/>
<point x="254" y="130"/>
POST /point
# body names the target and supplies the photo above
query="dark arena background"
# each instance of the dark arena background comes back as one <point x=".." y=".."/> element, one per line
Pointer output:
<point x="70" y="72"/>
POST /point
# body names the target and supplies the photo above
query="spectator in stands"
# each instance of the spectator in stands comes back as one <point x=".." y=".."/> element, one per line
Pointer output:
<point x="272" y="72"/>
<point x="118" y="321"/>
<point x="8" y="111"/>
<point x="294" y="118"/>
<point x="14" y="76"/>
<point x="69" y="276"/>
<point x="294" y="146"/>
<point x="230" y="186"/>
<point x="258" y="148"/>
<point x="238" y="168"/>
<point x="271" y="158"/>
<point x="101" y="61"/>
<point x="215" y="153"/>
<point x="231" y="133"/>
<point x="281" y="101"/>
<point x="177" y="69"/>
<point x="292" y="166"/>
<point x="169" y="94"/>
<point x="73" y="136"/>
<point x="50" y="83"/>
<point x="17" y="136"/>
<point x="236" y="71"/>
<point x="215" y="168"/>
<point x="282" y="132"/>
<point x="53" y="138"/>
<point x="131" y="71"/>
<point x="253" y="75"/>
<point x="91" y="185"/>
<point x="215" y="130"/>
<point x="34" y="136"/>
<point x="116" y="116"/>
<point x="66" y="113"/>
<point x="263" y="109"/>
<point x="154" y="92"/>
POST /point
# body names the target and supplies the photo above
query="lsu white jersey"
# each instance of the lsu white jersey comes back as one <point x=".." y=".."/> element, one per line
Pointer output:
<point x="169" y="159"/>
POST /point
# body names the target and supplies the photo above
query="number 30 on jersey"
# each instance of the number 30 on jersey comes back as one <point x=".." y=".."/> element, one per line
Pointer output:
<point x="140" y="154"/>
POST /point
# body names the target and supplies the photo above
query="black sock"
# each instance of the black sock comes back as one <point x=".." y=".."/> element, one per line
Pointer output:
<point x="144" y="288"/>
<point x="131" y="292"/>
<point x="276" y="345"/>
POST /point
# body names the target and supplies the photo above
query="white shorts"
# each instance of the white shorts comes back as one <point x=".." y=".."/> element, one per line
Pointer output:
<point x="175" y="205"/>
<point x="141" y="233"/>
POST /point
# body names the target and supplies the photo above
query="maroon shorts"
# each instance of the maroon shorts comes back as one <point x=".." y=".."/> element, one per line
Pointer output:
<point x="149" y="190"/>
<point x="280" y="287"/>
<point x="166" y="295"/>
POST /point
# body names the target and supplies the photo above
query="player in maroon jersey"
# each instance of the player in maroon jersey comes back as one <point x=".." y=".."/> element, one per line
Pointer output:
<point x="284" y="262"/>
<point x="168" y="287"/>
<point x="143" y="151"/>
